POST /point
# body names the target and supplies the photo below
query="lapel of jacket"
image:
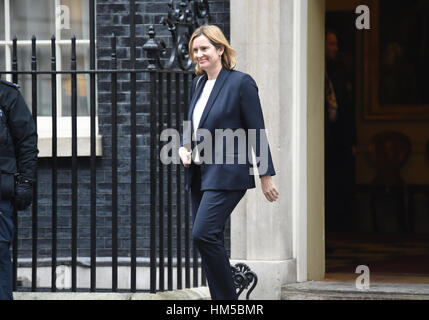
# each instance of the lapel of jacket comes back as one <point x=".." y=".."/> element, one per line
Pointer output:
<point x="197" y="94"/>
<point x="220" y="81"/>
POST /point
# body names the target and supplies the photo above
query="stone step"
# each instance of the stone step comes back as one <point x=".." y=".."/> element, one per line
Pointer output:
<point x="323" y="290"/>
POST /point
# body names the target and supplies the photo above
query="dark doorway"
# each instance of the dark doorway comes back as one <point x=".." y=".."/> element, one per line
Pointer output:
<point x="340" y="131"/>
<point x="376" y="186"/>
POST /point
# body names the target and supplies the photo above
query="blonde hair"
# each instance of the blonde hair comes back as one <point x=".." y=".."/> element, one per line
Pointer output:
<point x="217" y="39"/>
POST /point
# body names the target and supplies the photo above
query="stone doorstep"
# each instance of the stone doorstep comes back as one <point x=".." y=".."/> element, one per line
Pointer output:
<point x="321" y="290"/>
<point x="200" y="293"/>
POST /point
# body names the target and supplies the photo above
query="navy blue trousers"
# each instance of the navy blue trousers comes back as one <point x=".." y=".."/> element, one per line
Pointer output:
<point x="6" y="237"/>
<point x="210" y="211"/>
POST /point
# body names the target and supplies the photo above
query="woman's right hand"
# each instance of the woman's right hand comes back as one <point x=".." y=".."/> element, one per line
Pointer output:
<point x="186" y="156"/>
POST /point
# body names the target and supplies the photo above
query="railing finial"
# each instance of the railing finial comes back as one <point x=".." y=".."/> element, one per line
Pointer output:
<point x="182" y="19"/>
<point x="243" y="277"/>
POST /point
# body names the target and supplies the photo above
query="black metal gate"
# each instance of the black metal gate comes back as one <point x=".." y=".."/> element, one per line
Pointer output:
<point x="169" y="87"/>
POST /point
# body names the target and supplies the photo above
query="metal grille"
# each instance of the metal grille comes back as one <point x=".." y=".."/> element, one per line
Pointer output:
<point x="169" y="99"/>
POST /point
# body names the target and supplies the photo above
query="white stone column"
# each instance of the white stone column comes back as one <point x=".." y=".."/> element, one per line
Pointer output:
<point x="262" y="32"/>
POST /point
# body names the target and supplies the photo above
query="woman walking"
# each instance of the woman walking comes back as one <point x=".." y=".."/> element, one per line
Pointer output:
<point x="221" y="99"/>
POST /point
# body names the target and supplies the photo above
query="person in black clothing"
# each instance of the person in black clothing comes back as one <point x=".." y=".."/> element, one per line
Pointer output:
<point x="18" y="162"/>
<point x="340" y="140"/>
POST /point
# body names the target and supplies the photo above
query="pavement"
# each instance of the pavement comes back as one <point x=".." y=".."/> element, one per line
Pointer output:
<point x="200" y="293"/>
<point x="328" y="290"/>
<point x="309" y="290"/>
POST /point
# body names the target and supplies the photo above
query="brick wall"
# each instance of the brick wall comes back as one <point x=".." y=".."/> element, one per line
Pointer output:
<point x="112" y="18"/>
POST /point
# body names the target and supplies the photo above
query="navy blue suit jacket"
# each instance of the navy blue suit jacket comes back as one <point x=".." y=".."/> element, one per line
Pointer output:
<point x="233" y="104"/>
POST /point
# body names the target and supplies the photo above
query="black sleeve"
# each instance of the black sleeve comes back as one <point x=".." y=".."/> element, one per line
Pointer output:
<point x="24" y="134"/>
<point x="253" y="118"/>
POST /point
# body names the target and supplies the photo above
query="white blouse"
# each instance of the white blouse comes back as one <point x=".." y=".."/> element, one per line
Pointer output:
<point x="199" y="109"/>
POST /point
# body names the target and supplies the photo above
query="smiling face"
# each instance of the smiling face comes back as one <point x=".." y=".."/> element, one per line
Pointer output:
<point x="206" y="54"/>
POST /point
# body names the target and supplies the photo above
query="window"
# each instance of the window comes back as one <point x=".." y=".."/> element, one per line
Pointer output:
<point x="44" y="18"/>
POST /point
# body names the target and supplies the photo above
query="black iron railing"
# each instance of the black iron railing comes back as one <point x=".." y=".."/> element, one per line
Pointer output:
<point x="177" y="98"/>
<point x="169" y="73"/>
<point x="164" y="101"/>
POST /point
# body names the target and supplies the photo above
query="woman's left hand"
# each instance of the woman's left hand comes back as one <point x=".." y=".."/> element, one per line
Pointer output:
<point x="269" y="188"/>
